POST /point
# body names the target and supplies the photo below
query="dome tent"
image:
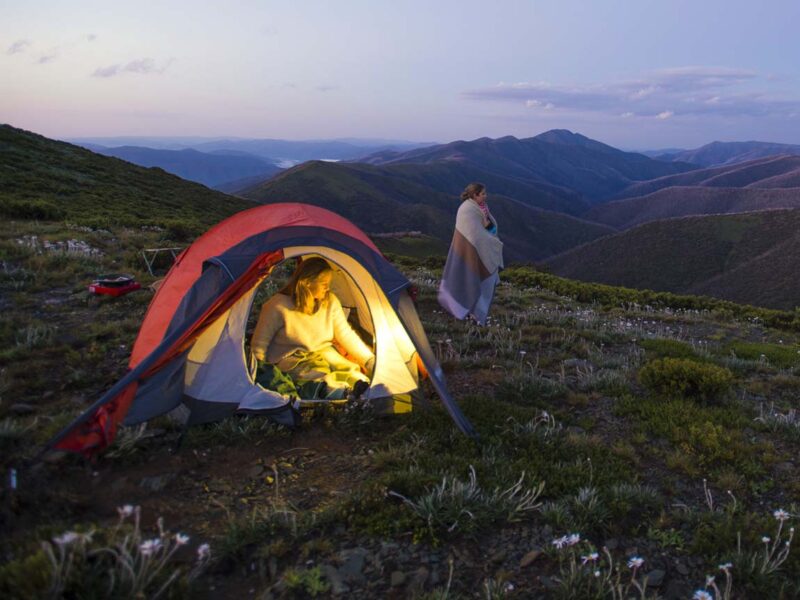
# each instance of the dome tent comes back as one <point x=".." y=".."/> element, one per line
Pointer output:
<point x="190" y="348"/>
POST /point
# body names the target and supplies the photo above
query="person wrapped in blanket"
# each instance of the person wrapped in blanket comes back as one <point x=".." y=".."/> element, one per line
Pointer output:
<point x="475" y="259"/>
<point x="295" y="340"/>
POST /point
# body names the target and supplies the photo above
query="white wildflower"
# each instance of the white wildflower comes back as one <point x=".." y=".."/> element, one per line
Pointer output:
<point x="149" y="547"/>
<point x="125" y="511"/>
<point x="67" y="538"/>
<point x="204" y="552"/>
<point x="709" y="580"/>
<point x="573" y="539"/>
<point x="725" y="566"/>
<point x="781" y="515"/>
<point x="560" y="542"/>
<point x="635" y="562"/>
<point x="590" y="558"/>
<point x="181" y="539"/>
<point x="766" y="539"/>
<point x="702" y="595"/>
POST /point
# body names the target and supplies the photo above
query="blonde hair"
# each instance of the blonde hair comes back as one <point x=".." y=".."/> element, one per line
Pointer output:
<point x="472" y="190"/>
<point x="308" y="272"/>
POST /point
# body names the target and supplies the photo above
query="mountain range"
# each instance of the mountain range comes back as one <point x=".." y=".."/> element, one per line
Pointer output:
<point x="382" y="199"/>
<point x="557" y="159"/>
<point x="287" y="152"/>
<point x="589" y="210"/>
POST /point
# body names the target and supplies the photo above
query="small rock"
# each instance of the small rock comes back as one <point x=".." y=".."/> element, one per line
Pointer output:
<point x="418" y="580"/>
<point x="578" y="362"/>
<point x="529" y="558"/>
<point x="119" y="483"/>
<point x="338" y="587"/>
<point x="612" y="544"/>
<point x="352" y="564"/>
<point x="655" y="577"/>
<point x="21" y="409"/>
<point x="785" y="467"/>
<point x="158" y="483"/>
<point x="255" y="471"/>
<point x="682" y="568"/>
<point x="574" y="429"/>
<point x="498" y="556"/>
<point x="397" y="579"/>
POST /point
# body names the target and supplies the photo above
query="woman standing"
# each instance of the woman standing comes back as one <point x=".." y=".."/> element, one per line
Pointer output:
<point x="474" y="260"/>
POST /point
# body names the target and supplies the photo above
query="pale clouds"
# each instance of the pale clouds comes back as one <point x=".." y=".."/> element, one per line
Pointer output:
<point x="49" y="57"/>
<point x="663" y="94"/>
<point x="142" y="66"/>
<point x="18" y="46"/>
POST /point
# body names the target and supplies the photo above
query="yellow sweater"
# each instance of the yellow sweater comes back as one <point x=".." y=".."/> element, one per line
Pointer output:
<point x="281" y="330"/>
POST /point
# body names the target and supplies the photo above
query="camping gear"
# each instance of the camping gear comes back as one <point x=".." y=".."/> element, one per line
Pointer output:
<point x="114" y="285"/>
<point x="151" y="254"/>
<point x="191" y="346"/>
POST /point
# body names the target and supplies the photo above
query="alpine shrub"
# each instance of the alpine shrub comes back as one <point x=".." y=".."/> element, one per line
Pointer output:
<point x="686" y="378"/>
<point x="31" y="209"/>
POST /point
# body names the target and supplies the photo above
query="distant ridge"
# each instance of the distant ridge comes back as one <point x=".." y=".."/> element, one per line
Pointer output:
<point x="780" y="170"/>
<point x="750" y="257"/>
<point x="728" y="153"/>
<point x="557" y="158"/>
<point x="672" y="202"/>
<point x="211" y="169"/>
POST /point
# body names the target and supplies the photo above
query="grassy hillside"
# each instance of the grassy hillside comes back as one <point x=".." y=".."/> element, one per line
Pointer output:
<point x="44" y="179"/>
<point x="612" y="420"/>
<point x="678" y="201"/>
<point x="683" y="255"/>
<point x="385" y="199"/>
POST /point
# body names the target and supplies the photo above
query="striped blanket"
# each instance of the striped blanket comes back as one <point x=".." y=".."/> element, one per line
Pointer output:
<point x="471" y="271"/>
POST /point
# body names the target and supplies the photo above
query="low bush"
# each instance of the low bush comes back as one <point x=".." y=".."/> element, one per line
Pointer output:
<point x="31" y="209"/>
<point x="686" y="378"/>
<point x="662" y="348"/>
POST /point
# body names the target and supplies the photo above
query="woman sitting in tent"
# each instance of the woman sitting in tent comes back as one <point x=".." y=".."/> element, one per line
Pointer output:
<point x="296" y="332"/>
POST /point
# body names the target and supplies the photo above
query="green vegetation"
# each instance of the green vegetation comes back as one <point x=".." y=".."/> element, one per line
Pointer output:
<point x="611" y="296"/>
<point x="48" y="180"/>
<point x="749" y="258"/>
<point x="681" y="377"/>
<point x="782" y="356"/>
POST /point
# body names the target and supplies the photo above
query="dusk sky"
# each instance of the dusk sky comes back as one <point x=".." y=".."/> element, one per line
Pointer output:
<point x="637" y="74"/>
